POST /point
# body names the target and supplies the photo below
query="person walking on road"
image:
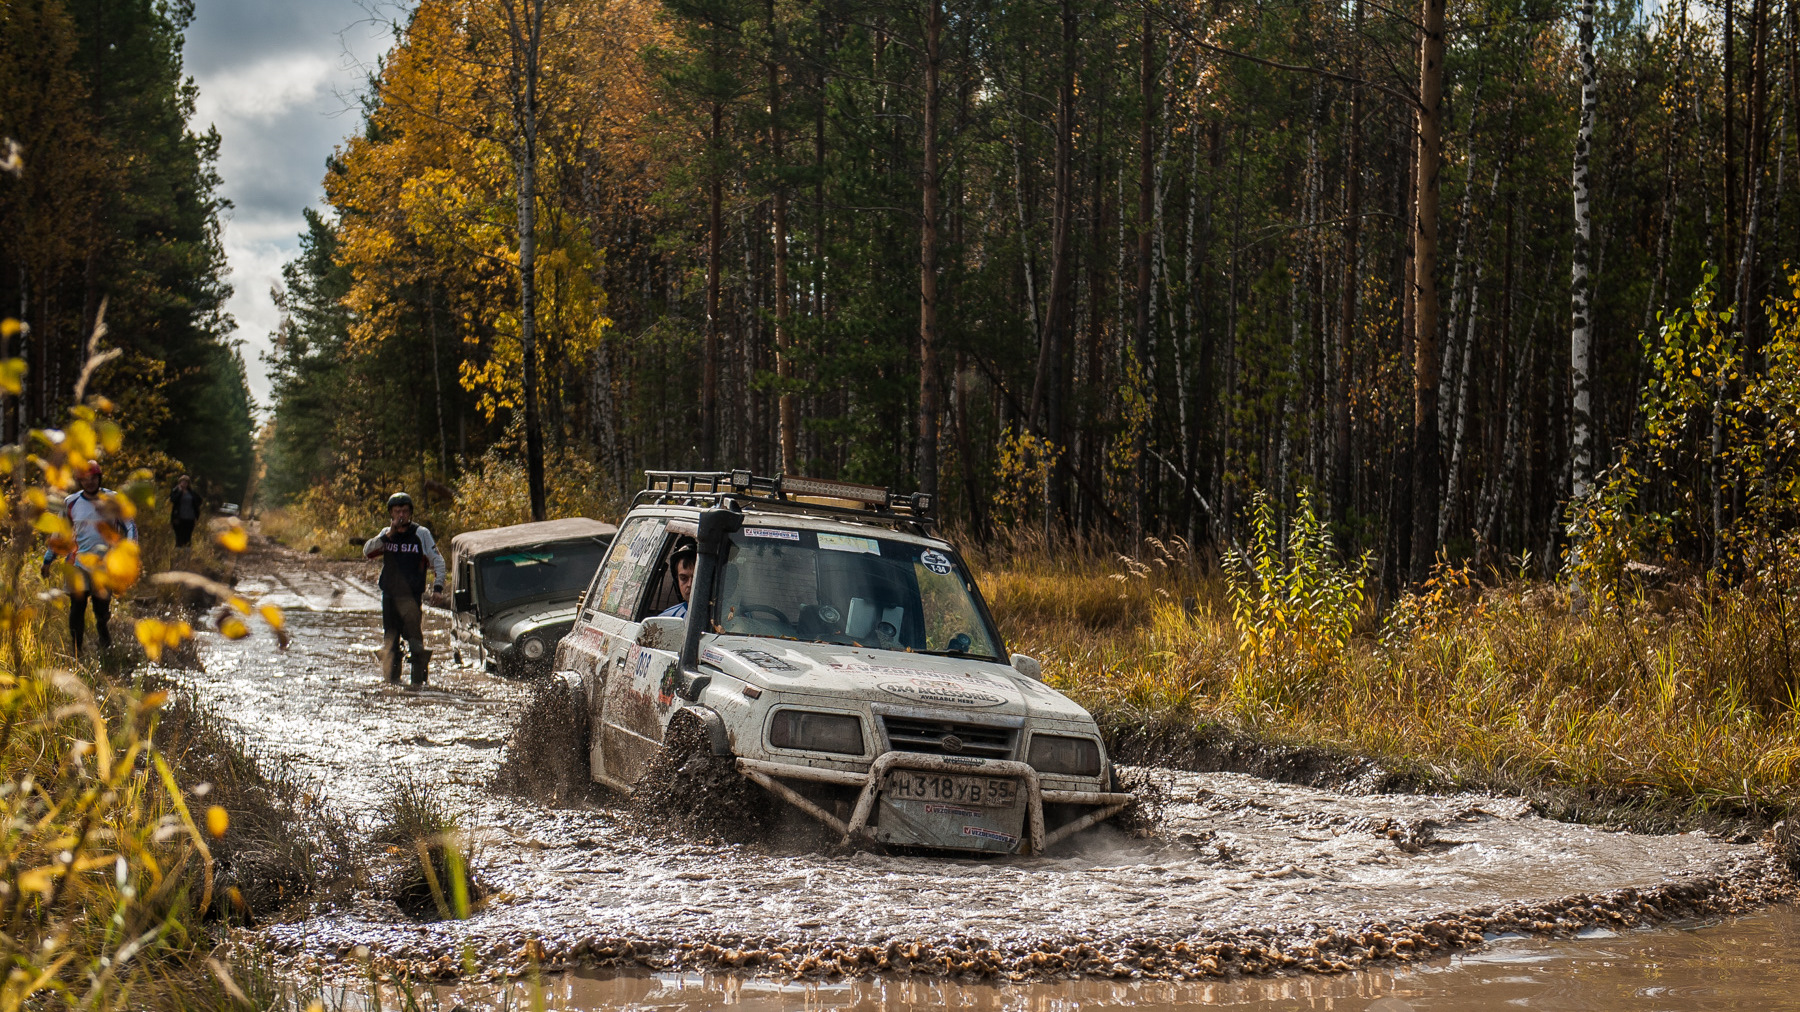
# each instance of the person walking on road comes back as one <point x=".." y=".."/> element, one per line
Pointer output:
<point x="92" y="519"/>
<point x="184" y="510"/>
<point x="406" y="551"/>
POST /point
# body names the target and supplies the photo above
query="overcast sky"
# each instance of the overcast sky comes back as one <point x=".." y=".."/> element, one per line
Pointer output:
<point x="279" y="78"/>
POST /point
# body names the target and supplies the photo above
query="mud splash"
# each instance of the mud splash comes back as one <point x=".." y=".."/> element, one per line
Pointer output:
<point x="1246" y="875"/>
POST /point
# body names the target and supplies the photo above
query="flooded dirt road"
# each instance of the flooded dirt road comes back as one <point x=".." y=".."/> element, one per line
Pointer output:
<point x="1743" y="963"/>
<point x="1243" y="875"/>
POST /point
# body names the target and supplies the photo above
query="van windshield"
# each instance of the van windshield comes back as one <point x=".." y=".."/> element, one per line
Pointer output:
<point x="862" y="591"/>
<point x="559" y="569"/>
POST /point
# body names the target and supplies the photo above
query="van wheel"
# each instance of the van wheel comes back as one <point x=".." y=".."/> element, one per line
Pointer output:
<point x="686" y="789"/>
<point x="546" y="757"/>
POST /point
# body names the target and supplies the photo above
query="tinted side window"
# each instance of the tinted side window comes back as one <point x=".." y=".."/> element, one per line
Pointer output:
<point x="621" y="580"/>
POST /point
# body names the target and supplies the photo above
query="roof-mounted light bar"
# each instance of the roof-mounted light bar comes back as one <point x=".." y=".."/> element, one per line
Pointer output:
<point x="871" y="502"/>
<point x="868" y="494"/>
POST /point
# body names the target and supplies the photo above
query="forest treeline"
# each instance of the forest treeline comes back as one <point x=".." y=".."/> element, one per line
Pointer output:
<point x="1103" y="267"/>
<point x="110" y="206"/>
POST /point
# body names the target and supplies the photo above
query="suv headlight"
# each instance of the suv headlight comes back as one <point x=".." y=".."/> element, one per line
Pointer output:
<point x="532" y="647"/>
<point x="816" y="732"/>
<point x="1056" y="753"/>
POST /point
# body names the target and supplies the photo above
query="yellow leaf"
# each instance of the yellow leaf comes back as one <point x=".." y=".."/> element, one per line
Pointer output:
<point x="38" y="880"/>
<point x="150" y="633"/>
<point x="12" y="374"/>
<point x="81" y="439"/>
<point x="9" y="328"/>
<point x="271" y="615"/>
<point x="217" y="821"/>
<point x="111" y="436"/>
<point x="233" y="628"/>
<point x="234" y="538"/>
<point x="239" y="604"/>
<point x="123" y="564"/>
<point x="52" y="524"/>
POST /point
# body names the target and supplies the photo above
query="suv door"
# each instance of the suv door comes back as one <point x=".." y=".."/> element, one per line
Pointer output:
<point x="608" y="639"/>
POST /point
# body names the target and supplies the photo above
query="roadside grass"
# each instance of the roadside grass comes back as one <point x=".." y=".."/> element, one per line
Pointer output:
<point x="431" y="874"/>
<point x="1676" y="707"/>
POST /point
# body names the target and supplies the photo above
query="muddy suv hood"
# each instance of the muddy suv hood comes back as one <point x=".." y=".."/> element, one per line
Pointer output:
<point x="510" y="624"/>
<point x="891" y="677"/>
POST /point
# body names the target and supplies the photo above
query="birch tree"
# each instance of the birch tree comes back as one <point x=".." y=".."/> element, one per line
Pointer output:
<point x="1581" y="434"/>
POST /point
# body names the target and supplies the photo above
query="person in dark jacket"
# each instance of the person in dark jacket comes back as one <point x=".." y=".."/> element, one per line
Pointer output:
<point x="184" y="510"/>
<point x="407" y="552"/>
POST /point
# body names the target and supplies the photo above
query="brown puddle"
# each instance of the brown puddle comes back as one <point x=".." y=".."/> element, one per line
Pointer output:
<point x="1742" y="963"/>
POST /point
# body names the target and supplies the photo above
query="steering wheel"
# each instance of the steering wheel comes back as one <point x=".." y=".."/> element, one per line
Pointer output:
<point x="767" y="611"/>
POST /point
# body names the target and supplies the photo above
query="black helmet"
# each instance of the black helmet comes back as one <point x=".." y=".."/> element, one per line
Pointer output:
<point x="399" y="499"/>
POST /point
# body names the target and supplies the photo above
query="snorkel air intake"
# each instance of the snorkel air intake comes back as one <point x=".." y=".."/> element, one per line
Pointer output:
<point x="715" y="527"/>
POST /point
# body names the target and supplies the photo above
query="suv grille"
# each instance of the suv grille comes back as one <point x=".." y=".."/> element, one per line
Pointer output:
<point x="908" y="735"/>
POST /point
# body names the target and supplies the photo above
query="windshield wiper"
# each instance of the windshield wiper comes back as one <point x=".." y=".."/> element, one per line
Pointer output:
<point x="958" y="653"/>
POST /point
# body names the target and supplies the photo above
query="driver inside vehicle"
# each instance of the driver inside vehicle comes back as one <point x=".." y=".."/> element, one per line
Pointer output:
<point x="681" y="564"/>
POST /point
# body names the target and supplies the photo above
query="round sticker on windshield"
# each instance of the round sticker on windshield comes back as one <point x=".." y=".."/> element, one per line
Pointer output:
<point x="935" y="561"/>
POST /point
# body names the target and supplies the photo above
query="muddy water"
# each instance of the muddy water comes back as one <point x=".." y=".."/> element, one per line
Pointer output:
<point x="1271" y="869"/>
<point x="1742" y="963"/>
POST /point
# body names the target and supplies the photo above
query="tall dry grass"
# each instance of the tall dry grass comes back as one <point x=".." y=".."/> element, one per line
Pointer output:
<point x="1680" y="701"/>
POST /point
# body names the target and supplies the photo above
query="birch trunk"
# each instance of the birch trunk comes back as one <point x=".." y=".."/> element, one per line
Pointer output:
<point x="1581" y="286"/>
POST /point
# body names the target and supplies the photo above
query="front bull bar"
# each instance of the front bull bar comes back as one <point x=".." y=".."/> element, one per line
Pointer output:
<point x="765" y="774"/>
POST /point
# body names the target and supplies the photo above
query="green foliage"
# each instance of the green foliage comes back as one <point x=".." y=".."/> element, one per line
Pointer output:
<point x="1293" y="601"/>
<point x="1718" y="416"/>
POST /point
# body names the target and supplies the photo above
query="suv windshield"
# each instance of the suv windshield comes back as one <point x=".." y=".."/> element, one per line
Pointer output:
<point x="561" y="569"/>
<point x="850" y="589"/>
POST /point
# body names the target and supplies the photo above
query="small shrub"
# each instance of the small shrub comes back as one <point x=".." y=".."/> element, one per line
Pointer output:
<point x="432" y="877"/>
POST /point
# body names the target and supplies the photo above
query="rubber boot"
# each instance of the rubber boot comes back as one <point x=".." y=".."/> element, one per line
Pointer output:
<point x="421" y="661"/>
<point x="390" y="659"/>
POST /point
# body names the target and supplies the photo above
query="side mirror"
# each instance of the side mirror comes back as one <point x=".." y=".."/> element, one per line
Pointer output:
<point x="1027" y="666"/>
<point x="464" y="598"/>
<point x="660" y="632"/>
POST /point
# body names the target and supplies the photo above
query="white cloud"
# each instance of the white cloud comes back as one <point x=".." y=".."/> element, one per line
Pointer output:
<point x="270" y="88"/>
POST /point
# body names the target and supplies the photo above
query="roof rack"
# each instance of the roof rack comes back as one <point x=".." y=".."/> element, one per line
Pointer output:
<point x="789" y="493"/>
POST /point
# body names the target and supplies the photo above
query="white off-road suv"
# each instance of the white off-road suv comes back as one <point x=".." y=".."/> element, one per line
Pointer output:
<point x="837" y="656"/>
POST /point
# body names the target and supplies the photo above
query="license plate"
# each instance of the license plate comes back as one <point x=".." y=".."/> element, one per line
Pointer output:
<point x="983" y="792"/>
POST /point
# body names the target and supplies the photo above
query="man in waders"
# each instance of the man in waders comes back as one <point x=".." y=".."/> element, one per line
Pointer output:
<point x="406" y="551"/>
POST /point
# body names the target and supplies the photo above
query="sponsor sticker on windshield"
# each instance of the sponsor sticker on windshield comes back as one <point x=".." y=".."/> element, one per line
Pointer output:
<point x="935" y="561"/>
<point x="849" y="543"/>
<point x="771" y="532"/>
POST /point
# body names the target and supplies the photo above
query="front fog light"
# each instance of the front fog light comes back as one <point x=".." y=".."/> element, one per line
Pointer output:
<point x="532" y="648"/>
<point x="816" y="732"/>
<point x="1055" y="753"/>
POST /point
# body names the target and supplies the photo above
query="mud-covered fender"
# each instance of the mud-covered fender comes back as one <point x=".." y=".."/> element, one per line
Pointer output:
<point x="716" y="731"/>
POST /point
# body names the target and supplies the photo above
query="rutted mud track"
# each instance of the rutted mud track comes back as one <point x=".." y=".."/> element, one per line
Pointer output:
<point x="1244" y="874"/>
